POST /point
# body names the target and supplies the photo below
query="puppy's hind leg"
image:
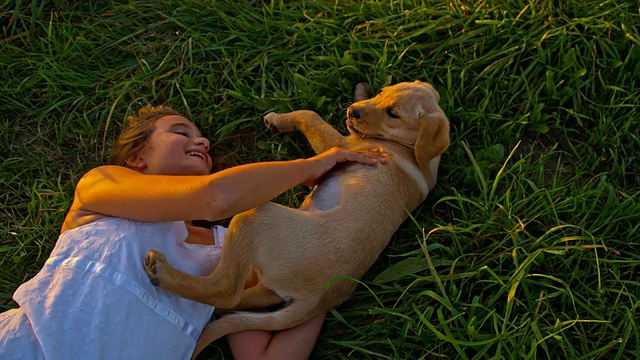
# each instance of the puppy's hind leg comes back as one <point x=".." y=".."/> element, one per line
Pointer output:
<point x="223" y="288"/>
<point x="258" y="297"/>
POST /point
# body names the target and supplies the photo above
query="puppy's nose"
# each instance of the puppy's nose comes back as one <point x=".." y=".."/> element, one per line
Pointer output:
<point x="353" y="113"/>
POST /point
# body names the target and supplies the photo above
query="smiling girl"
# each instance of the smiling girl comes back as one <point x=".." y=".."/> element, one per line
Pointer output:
<point x="93" y="300"/>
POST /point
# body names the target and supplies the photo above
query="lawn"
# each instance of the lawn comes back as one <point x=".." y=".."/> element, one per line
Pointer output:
<point x="527" y="248"/>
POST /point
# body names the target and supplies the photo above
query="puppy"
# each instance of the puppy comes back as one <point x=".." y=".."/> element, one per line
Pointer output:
<point x="308" y="258"/>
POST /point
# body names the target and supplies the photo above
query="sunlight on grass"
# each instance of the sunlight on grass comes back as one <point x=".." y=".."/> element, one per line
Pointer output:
<point x="528" y="246"/>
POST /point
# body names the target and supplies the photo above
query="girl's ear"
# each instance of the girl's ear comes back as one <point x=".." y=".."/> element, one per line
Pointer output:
<point x="136" y="163"/>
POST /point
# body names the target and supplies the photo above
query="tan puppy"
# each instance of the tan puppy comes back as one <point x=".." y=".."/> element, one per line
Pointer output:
<point x="304" y="255"/>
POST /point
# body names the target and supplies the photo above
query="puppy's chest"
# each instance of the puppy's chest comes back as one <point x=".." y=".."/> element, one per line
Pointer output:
<point x="345" y="184"/>
<point x="326" y="196"/>
<point x="397" y="184"/>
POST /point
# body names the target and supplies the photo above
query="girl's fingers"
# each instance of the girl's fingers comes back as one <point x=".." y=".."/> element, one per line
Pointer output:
<point x="372" y="156"/>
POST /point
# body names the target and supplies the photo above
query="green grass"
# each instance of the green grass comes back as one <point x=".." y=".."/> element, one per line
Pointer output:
<point x="527" y="248"/>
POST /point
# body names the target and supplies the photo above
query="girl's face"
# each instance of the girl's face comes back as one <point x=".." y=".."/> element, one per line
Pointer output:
<point x="176" y="147"/>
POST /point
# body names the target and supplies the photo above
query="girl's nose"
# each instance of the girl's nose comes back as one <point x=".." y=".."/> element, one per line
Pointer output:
<point x="204" y="142"/>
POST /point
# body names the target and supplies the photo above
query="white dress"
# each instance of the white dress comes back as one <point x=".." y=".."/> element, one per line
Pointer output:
<point x="93" y="299"/>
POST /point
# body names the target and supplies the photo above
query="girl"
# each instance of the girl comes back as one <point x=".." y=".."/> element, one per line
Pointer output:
<point x="92" y="299"/>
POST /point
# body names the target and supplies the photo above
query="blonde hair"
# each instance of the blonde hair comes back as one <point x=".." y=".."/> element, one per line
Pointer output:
<point x="137" y="132"/>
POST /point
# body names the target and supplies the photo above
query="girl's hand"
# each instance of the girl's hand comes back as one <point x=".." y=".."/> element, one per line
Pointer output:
<point x="328" y="159"/>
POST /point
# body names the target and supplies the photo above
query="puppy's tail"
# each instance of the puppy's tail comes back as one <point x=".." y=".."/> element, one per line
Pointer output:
<point x="291" y="315"/>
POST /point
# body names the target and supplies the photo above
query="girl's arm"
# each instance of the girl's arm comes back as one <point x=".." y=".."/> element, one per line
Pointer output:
<point x="291" y="344"/>
<point x="122" y="192"/>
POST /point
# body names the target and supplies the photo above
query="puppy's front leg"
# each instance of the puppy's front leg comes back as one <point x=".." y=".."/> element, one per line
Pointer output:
<point x="320" y="135"/>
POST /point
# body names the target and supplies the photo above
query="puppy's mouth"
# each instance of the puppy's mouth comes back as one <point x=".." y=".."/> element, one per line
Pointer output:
<point x="352" y="129"/>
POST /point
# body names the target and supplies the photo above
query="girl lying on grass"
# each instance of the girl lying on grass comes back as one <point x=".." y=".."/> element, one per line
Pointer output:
<point x="92" y="299"/>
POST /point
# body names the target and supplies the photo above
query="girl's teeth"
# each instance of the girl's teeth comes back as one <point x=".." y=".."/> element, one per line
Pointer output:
<point x="196" y="154"/>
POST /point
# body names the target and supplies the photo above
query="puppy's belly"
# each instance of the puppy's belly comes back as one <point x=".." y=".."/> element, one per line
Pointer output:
<point x="326" y="196"/>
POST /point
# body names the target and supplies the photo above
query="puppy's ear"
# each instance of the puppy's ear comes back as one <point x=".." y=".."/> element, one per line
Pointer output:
<point x="433" y="138"/>
<point x="362" y="92"/>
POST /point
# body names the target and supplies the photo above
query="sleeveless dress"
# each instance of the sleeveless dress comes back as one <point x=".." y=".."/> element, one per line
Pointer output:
<point x="93" y="299"/>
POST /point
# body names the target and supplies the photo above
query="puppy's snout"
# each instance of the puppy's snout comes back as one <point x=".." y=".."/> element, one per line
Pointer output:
<point x="352" y="112"/>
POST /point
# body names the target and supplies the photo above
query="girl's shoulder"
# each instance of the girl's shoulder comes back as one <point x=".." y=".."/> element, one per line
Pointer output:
<point x="85" y="192"/>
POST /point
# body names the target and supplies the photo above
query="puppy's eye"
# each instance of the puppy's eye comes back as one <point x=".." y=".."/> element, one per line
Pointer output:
<point x="393" y="113"/>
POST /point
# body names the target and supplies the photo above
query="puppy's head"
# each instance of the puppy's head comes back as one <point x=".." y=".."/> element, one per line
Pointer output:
<point x="407" y="113"/>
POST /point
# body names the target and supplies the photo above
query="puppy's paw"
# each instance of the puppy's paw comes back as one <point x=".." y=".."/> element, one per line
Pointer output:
<point x="278" y="122"/>
<point x="157" y="267"/>
<point x="362" y="92"/>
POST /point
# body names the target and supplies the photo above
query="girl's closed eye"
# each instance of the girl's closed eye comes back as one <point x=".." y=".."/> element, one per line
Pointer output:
<point x="181" y="133"/>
